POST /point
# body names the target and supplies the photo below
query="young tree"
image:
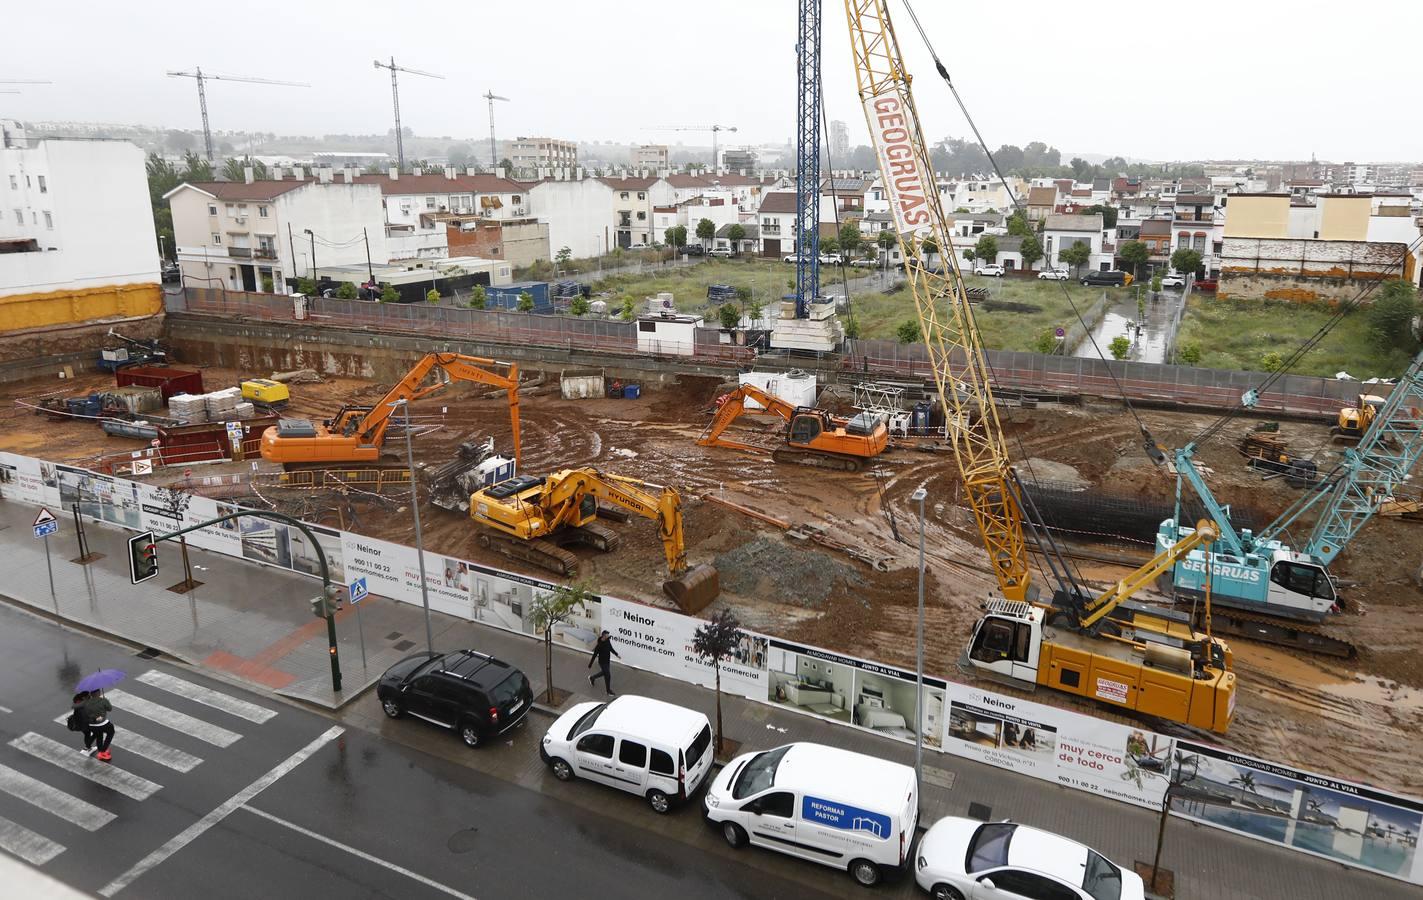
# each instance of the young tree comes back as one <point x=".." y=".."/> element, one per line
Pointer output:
<point x="563" y="255"/>
<point x="715" y="641"/>
<point x="908" y="332"/>
<point x="736" y="234"/>
<point x="432" y="295"/>
<point x="754" y="308"/>
<point x="1271" y="361"/>
<point x="1018" y="225"/>
<point x="730" y="316"/>
<point x="388" y="294"/>
<point x="478" y="297"/>
<point x="305" y="286"/>
<point x="175" y="503"/>
<point x="347" y="291"/>
<point x="550" y="609"/>
<point x="1190" y="353"/>
<point x="1076" y="256"/>
<point x="852" y="328"/>
<point x="579" y="305"/>
<point x="1391" y="315"/>
<point x="1031" y="250"/>
<point x="1109" y="214"/>
<point x="1186" y="261"/>
<point x="706" y="230"/>
<point x="526" y="302"/>
<point x="628" y="311"/>
<point x="267" y="285"/>
<point x="850" y="237"/>
<point x="195" y="168"/>
<point x="986" y="249"/>
<point x="1120" y="347"/>
<point x="1135" y="254"/>
<point x="1046" y="342"/>
<point x="679" y="236"/>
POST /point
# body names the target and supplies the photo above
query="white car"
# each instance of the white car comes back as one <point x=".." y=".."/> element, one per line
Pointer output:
<point x="638" y="246"/>
<point x="720" y="252"/>
<point x="992" y="270"/>
<point x="865" y="264"/>
<point x="1053" y="275"/>
<point x="964" y="859"/>
<point x="1173" y="281"/>
<point x="790" y="258"/>
<point x="831" y="259"/>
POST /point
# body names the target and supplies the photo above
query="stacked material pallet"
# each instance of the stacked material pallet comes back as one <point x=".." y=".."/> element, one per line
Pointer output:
<point x="222" y="405"/>
<point x="245" y="410"/>
<point x="190" y="408"/>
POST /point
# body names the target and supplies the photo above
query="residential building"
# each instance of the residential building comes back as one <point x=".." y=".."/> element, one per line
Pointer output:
<point x="633" y="200"/>
<point x="650" y="156"/>
<point x="847" y="196"/>
<point x="839" y="141"/>
<point x="520" y="242"/>
<point x="1063" y="231"/>
<point x="737" y="159"/>
<point x="1156" y="235"/>
<point x="1042" y="202"/>
<point x="592" y="215"/>
<point x="1199" y="226"/>
<point x="414" y="201"/>
<point x="240" y="235"/>
<point x="750" y="239"/>
<point x="777" y="220"/>
<point x="76" y="231"/>
<point x="543" y="153"/>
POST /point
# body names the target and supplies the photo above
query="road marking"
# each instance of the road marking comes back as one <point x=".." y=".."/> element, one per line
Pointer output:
<point x="6" y="709"/>
<point x="192" y="832"/>
<point x="106" y="774"/>
<point x="35" y="849"/>
<point x="52" y="800"/>
<point x="416" y="876"/>
<point x="207" y="696"/>
<point x="171" y="718"/>
<point x="130" y="741"/>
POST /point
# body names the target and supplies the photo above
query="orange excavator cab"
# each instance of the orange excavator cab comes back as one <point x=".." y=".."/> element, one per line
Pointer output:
<point x="812" y="437"/>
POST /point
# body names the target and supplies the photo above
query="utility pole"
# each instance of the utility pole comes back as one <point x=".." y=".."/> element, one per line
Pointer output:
<point x="202" y="78"/>
<point x="918" y="496"/>
<point x="370" y="272"/>
<point x="395" y="98"/>
<point x="312" y="234"/>
<point x="493" y="152"/>
<point x="419" y="536"/>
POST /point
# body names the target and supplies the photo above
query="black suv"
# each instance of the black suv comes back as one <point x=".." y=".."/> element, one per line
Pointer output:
<point x="1111" y="279"/>
<point x="476" y="695"/>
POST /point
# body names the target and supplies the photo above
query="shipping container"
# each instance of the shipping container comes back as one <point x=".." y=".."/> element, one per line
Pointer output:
<point x="167" y="379"/>
<point x="506" y="296"/>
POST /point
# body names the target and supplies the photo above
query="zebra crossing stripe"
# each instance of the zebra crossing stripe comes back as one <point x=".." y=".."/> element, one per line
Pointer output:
<point x="207" y="696"/>
<point x="110" y="776"/>
<point x="130" y="741"/>
<point x="35" y="849"/>
<point x="171" y="718"/>
<point x="52" y="800"/>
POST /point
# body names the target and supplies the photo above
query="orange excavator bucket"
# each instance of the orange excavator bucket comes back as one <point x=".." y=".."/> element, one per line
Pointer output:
<point x="694" y="589"/>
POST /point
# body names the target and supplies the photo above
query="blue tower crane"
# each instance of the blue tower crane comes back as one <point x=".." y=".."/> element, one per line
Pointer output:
<point x="807" y="202"/>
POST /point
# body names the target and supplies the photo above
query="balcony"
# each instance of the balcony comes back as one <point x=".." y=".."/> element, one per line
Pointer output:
<point x="240" y="252"/>
<point x="770" y="230"/>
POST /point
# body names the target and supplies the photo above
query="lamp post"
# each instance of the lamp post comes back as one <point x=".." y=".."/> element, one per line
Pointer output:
<point x="308" y="231"/>
<point x="918" y="497"/>
<point x="415" y="510"/>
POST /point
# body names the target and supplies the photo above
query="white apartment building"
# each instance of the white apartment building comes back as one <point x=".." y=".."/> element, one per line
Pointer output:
<point x="75" y="224"/>
<point x="238" y="236"/>
<point x="650" y="156"/>
<point x="413" y="203"/>
<point x="543" y="153"/>
<point x="1062" y="231"/>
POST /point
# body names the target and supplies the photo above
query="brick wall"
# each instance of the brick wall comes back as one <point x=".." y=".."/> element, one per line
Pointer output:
<point x="1308" y="270"/>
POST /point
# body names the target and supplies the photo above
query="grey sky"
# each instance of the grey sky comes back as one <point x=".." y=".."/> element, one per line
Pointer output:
<point x="1211" y="79"/>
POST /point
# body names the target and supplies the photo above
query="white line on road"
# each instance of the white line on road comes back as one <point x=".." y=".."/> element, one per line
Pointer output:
<point x="354" y="852"/>
<point x="35" y="849"/>
<point x="192" y="832"/>
<point x="52" y="800"/>
<point x="67" y="758"/>
<point x="171" y="718"/>
<point x="130" y="741"/>
<point x="6" y="709"/>
<point x="207" y="696"/>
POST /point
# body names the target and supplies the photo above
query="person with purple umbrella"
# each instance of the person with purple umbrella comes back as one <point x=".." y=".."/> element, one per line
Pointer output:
<point x="96" y="710"/>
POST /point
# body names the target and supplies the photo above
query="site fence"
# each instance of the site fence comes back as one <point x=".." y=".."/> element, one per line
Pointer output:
<point x="1015" y="370"/>
<point x="1305" y="812"/>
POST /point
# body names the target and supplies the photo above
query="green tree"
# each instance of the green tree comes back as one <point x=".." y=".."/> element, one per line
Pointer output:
<point x="234" y="169"/>
<point x="579" y="305"/>
<point x="1135" y="254"/>
<point x="526" y="302"/>
<point x="196" y="168"/>
<point x="547" y="611"/>
<point x="676" y="236"/>
<point x="1156" y="284"/>
<point x="432" y="295"/>
<point x="716" y="641"/>
<point x="346" y="291"/>
<point x="928" y="247"/>
<point x="162" y="178"/>
<point x="987" y="248"/>
<point x="1391" y="315"/>
<point x="735" y="234"/>
<point x="267" y="285"/>
<point x="908" y="332"/>
<point x="563" y="255"/>
<point x="1109" y="214"/>
<point x="829" y="245"/>
<point x="305" y="286"/>
<point x="1189" y="353"/>
<point x="478" y="297"/>
<point x="1120" y="347"/>
<point x="628" y="311"/>
<point x="1031" y="250"/>
<point x="507" y="165"/>
<point x="754" y="308"/>
<point x="1046" y="342"/>
<point x="388" y="293"/>
<point x="729" y="315"/>
<point x="175" y="503"/>
<point x="852" y="328"/>
<point x="886" y="239"/>
<point x="960" y="209"/>
<point x="1186" y="261"/>
<point x="706" y="230"/>
<point x="1076" y="256"/>
<point x="850" y="237"/>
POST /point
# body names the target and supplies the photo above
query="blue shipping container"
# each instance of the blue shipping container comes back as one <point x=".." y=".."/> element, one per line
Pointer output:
<point x="632" y="391"/>
<point x="506" y="296"/>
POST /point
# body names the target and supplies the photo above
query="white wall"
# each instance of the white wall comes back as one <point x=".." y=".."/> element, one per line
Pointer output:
<point x="97" y="198"/>
<point x="337" y="213"/>
<point x="579" y="214"/>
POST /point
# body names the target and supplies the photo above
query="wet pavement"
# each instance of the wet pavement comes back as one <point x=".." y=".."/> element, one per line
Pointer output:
<point x="1150" y="335"/>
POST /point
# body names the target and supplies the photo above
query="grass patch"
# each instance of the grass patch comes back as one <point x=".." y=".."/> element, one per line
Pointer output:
<point x="766" y="278"/>
<point x="1237" y="334"/>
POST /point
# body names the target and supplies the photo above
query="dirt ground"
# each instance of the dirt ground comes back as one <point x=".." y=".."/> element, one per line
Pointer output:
<point x="1358" y="720"/>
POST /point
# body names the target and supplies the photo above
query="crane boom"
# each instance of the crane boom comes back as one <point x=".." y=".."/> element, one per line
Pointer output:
<point x="945" y="318"/>
<point x="202" y="78"/>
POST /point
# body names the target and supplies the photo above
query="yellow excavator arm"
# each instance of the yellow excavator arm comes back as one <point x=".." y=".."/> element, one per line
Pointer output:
<point x="731" y="409"/>
<point x="1206" y="532"/>
<point x="563" y="498"/>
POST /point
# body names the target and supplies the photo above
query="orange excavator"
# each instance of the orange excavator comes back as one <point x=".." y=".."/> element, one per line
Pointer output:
<point x="813" y="437"/>
<point x="356" y="433"/>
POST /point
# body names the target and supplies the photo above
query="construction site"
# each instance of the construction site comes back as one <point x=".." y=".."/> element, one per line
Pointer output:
<point x="827" y="554"/>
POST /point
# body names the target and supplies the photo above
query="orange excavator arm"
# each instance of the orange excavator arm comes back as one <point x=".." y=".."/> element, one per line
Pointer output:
<point x="732" y="406"/>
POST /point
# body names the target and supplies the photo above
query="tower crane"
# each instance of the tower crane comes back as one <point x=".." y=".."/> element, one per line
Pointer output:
<point x="714" y="129"/>
<point x="493" y="151"/>
<point x="202" y="78"/>
<point x="395" y="99"/>
<point x="1105" y="648"/>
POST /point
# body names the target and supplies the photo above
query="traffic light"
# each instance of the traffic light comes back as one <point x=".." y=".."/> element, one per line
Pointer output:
<point x="142" y="557"/>
<point x="327" y="603"/>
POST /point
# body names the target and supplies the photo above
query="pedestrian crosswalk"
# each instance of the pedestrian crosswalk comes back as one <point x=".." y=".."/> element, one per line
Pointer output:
<point x="45" y="770"/>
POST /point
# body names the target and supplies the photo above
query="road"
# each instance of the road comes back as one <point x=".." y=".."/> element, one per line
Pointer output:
<point x="1148" y="345"/>
<point x="217" y="792"/>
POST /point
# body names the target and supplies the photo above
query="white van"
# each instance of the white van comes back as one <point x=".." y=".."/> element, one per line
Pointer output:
<point x="636" y="744"/>
<point x="832" y="806"/>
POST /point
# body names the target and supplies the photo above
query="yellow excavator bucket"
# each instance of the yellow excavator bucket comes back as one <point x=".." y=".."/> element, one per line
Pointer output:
<point x="694" y="589"/>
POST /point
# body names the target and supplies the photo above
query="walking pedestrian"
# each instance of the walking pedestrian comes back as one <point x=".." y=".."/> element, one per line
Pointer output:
<point x="96" y="713"/>
<point x="79" y="721"/>
<point x="601" y="651"/>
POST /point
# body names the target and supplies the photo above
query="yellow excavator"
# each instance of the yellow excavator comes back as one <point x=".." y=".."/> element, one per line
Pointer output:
<point x="1105" y="648"/>
<point x="533" y="518"/>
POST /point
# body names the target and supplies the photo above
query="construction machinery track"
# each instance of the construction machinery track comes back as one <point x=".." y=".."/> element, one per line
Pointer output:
<point x="549" y="553"/>
<point x="818" y="459"/>
<point x="1279" y="632"/>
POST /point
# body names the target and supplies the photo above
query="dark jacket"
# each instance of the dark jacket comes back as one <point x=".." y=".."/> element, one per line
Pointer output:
<point x="96" y="710"/>
<point x="80" y="714"/>
<point x="601" y="651"/>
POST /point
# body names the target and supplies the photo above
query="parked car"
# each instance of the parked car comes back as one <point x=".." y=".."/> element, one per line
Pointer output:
<point x="694" y="250"/>
<point x="991" y="270"/>
<point x="721" y="252"/>
<point x="643" y="746"/>
<point x="960" y="859"/>
<point x="790" y="258"/>
<point x="1053" y="275"/>
<point x="1114" y="278"/>
<point x="865" y="263"/>
<point x="831" y="259"/>
<point x="1205" y="284"/>
<point x="638" y="246"/>
<point x="1173" y="280"/>
<point x="171" y="273"/>
<point x="473" y="694"/>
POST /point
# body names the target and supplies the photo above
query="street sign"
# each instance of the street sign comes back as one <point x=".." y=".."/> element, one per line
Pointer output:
<point x="358" y="590"/>
<point x="1061" y="332"/>
<point x="45" y="524"/>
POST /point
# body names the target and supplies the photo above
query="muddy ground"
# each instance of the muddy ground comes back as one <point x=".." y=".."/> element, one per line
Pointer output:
<point x="1358" y="720"/>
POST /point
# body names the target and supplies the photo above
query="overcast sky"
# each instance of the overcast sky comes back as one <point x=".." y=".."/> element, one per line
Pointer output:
<point x="1164" y="81"/>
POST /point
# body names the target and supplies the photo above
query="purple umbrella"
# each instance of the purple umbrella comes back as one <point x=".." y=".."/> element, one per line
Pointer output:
<point x="100" y="680"/>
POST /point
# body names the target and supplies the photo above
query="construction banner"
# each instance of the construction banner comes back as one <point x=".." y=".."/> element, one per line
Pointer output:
<point x="660" y="641"/>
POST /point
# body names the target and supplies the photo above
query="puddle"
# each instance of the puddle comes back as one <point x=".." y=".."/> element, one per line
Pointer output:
<point x="1148" y="344"/>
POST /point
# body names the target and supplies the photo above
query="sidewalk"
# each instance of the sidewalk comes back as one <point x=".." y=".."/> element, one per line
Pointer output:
<point x="254" y="624"/>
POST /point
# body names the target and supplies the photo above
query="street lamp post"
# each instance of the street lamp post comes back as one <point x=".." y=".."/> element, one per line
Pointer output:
<point x="313" y="255"/>
<point x="918" y="497"/>
<point x="419" y="536"/>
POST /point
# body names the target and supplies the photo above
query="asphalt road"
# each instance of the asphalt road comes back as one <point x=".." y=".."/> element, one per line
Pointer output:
<point x="217" y="792"/>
